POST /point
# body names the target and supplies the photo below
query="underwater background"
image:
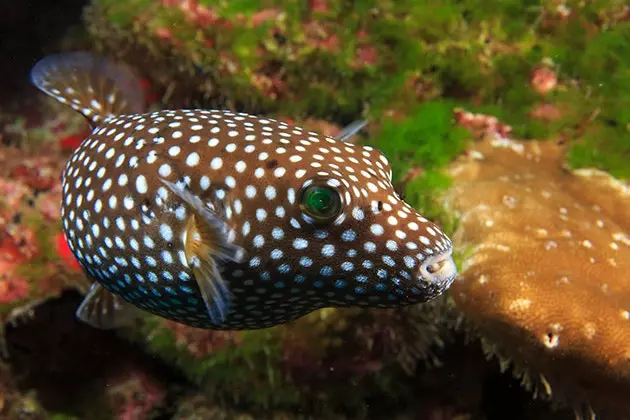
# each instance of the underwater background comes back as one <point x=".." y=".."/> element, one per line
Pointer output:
<point x="507" y="122"/>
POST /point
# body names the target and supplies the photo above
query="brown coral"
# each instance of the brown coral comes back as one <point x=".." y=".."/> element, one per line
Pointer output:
<point x="547" y="284"/>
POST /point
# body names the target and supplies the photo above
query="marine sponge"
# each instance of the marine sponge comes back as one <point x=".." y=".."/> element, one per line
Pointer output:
<point x="546" y="283"/>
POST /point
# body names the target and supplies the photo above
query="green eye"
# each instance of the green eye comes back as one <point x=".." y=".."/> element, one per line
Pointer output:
<point x="320" y="202"/>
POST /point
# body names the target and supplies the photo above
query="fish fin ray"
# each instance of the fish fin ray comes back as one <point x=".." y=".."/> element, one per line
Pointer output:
<point x="351" y="129"/>
<point x="213" y="227"/>
<point x="214" y="291"/>
<point x="105" y="310"/>
<point x="91" y="84"/>
<point x="207" y="244"/>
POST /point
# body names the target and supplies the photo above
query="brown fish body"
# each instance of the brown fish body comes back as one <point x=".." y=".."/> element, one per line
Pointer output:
<point x="223" y="220"/>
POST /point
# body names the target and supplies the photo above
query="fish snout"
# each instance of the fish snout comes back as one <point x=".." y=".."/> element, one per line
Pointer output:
<point x="439" y="270"/>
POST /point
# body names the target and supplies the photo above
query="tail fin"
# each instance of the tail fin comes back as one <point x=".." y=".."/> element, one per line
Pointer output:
<point x="91" y="84"/>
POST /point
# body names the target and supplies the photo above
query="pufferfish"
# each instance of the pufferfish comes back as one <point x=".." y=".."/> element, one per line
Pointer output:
<point x="224" y="220"/>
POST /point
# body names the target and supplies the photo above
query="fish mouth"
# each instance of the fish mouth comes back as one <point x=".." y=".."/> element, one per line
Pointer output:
<point x="439" y="270"/>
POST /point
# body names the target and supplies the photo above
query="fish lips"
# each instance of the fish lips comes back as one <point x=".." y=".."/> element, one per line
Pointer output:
<point x="437" y="273"/>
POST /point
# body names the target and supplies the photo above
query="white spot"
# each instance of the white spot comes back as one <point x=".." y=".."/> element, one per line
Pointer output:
<point x="141" y="184"/>
<point x="165" y="170"/>
<point x="377" y="229"/>
<point x="204" y="182"/>
<point x="192" y="159"/>
<point x="166" y="232"/>
<point x="216" y="163"/>
<point x="250" y="191"/>
<point x="230" y="181"/>
<point x="261" y="215"/>
<point x="270" y="192"/>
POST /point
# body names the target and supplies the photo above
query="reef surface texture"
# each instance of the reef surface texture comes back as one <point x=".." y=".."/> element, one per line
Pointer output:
<point x="547" y="277"/>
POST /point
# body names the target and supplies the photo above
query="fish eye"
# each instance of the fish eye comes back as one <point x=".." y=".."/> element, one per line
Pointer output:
<point x="321" y="202"/>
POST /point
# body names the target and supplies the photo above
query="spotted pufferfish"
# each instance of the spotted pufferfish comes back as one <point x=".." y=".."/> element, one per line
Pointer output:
<point x="225" y="220"/>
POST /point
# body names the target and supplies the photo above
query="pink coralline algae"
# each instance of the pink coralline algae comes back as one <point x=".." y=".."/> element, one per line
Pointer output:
<point x="200" y="343"/>
<point x="319" y="6"/>
<point x="196" y="13"/>
<point x="134" y="394"/>
<point x="12" y="286"/>
<point x="365" y="54"/>
<point x="49" y="204"/>
<point x="482" y="125"/>
<point x="30" y="251"/>
<point x="543" y="80"/>
<point x="12" y="194"/>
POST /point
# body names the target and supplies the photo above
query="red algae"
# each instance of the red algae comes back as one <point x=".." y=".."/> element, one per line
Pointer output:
<point x="201" y="343"/>
<point x="134" y="393"/>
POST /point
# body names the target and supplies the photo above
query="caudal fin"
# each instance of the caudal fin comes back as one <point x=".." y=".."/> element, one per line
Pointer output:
<point x="91" y="84"/>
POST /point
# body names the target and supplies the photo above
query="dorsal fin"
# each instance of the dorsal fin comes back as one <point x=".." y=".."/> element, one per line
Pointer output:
<point x="91" y="84"/>
<point x="351" y="129"/>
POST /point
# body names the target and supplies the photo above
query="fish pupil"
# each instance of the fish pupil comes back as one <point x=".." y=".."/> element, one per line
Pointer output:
<point x="321" y="203"/>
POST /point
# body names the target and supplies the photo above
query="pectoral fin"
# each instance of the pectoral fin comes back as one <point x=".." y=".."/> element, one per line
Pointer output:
<point x="207" y="243"/>
<point x="105" y="310"/>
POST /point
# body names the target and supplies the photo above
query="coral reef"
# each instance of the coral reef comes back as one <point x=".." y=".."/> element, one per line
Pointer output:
<point x="545" y="279"/>
<point x="544" y="68"/>
<point x="14" y="404"/>
<point x="556" y="70"/>
<point x="307" y="363"/>
<point x="73" y="371"/>
<point x="33" y="262"/>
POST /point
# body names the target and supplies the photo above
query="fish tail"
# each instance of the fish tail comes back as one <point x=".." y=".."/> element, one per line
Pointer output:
<point x="91" y="84"/>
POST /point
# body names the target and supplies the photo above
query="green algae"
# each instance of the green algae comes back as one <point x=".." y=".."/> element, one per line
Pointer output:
<point x="247" y="373"/>
<point x="480" y="55"/>
<point x="426" y="138"/>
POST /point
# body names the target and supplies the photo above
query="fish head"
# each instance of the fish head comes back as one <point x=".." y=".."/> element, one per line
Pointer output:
<point x="343" y="230"/>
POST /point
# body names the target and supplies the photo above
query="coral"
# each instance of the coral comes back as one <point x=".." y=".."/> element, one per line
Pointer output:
<point x="34" y="262"/>
<point x="240" y="367"/>
<point x="133" y="393"/>
<point x="338" y="60"/>
<point x="545" y="281"/>
<point x="200" y="407"/>
<point x="415" y="70"/>
<point x="81" y="372"/>
<point x="17" y="405"/>
<point x="306" y="364"/>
